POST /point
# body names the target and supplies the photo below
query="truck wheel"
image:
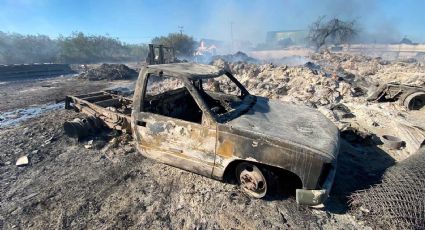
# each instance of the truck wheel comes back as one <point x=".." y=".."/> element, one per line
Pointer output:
<point x="251" y="180"/>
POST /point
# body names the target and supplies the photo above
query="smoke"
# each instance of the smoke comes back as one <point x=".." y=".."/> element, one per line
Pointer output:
<point x="250" y="21"/>
<point x="228" y="21"/>
<point x="385" y="32"/>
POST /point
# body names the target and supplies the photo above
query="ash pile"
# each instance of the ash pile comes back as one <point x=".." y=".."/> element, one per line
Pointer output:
<point x="109" y="72"/>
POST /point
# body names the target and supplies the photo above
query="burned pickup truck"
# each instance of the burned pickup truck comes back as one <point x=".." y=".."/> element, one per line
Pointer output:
<point x="200" y="118"/>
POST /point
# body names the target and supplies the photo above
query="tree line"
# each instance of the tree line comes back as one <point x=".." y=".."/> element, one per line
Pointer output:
<point x="76" y="48"/>
<point x="81" y="48"/>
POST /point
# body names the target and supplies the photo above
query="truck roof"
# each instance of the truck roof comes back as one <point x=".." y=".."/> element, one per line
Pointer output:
<point x="186" y="70"/>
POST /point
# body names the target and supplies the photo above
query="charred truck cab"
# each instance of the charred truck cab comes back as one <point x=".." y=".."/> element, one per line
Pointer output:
<point x="200" y="118"/>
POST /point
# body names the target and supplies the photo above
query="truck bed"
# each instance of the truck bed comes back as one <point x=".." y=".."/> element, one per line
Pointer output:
<point x="112" y="109"/>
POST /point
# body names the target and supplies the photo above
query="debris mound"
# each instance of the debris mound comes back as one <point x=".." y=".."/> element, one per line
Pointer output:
<point x="109" y="72"/>
<point x="308" y="84"/>
<point x="409" y="71"/>
<point x="237" y="57"/>
<point x="399" y="200"/>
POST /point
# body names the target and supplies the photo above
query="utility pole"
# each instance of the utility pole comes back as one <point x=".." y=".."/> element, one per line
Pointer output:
<point x="231" y="35"/>
<point x="181" y="30"/>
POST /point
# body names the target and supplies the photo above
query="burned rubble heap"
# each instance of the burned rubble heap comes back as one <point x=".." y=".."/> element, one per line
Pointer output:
<point x="301" y="85"/>
<point x="236" y="57"/>
<point x="335" y="78"/>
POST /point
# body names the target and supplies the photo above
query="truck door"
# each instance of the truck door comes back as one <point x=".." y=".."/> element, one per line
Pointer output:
<point x="169" y="126"/>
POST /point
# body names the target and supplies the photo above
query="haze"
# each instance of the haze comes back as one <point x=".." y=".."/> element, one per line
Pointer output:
<point x="138" y="22"/>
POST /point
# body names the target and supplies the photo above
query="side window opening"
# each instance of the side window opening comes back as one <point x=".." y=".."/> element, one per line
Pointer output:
<point x="169" y="97"/>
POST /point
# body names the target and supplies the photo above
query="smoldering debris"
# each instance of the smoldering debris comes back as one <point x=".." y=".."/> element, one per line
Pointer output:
<point x="236" y="57"/>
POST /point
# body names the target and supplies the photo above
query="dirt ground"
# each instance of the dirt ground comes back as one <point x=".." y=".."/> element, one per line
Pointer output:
<point x="109" y="185"/>
<point x="68" y="186"/>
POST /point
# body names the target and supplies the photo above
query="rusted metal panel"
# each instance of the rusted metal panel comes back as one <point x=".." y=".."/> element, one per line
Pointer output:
<point x="109" y="102"/>
<point x="234" y="145"/>
<point x="180" y="143"/>
<point x="185" y="70"/>
<point x="294" y="125"/>
<point x="97" y="98"/>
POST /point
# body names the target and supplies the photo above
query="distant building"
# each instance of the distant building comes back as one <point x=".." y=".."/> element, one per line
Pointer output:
<point x="287" y="37"/>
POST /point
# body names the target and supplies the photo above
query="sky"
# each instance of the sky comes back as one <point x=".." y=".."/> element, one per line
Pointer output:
<point x="139" y="21"/>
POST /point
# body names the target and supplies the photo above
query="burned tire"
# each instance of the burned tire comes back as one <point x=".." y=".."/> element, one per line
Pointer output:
<point x="251" y="180"/>
<point x="415" y="101"/>
<point x="80" y="128"/>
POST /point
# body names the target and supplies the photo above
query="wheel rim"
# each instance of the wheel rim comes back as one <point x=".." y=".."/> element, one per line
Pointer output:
<point x="252" y="180"/>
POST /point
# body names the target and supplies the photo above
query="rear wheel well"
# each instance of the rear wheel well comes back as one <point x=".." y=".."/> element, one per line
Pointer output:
<point x="287" y="181"/>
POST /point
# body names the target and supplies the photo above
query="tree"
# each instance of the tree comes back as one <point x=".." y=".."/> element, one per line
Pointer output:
<point x="333" y="31"/>
<point x="183" y="44"/>
<point x="80" y="48"/>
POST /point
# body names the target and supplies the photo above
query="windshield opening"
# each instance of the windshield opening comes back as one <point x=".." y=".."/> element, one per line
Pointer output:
<point x="222" y="94"/>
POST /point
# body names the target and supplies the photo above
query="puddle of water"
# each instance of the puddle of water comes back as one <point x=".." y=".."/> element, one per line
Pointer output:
<point x="19" y="115"/>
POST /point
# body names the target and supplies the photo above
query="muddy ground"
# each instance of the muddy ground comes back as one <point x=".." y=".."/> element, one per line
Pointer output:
<point x="109" y="185"/>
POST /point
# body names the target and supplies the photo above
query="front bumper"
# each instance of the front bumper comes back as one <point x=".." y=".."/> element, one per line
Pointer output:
<point x="316" y="196"/>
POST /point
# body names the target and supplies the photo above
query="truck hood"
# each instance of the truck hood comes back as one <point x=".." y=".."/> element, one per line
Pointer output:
<point x="290" y="124"/>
